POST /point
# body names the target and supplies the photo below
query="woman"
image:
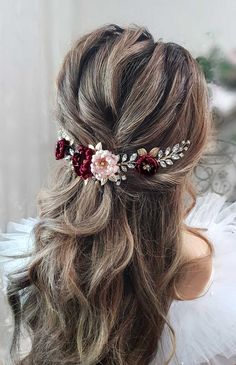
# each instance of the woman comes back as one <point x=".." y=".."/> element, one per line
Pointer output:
<point x="123" y="254"/>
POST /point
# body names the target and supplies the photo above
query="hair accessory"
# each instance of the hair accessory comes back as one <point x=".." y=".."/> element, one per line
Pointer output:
<point x="103" y="165"/>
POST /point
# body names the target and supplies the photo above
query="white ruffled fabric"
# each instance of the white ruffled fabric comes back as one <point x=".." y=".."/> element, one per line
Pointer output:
<point x="18" y="240"/>
<point x="205" y="327"/>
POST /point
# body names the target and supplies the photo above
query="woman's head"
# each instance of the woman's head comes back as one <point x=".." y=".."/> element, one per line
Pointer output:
<point x="100" y="281"/>
<point x="120" y="87"/>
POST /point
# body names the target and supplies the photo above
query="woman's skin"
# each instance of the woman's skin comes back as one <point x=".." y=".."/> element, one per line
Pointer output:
<point x="196" y="278"/>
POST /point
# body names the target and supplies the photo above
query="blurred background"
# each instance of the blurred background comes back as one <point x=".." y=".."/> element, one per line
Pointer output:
<point x="34" y="37"/>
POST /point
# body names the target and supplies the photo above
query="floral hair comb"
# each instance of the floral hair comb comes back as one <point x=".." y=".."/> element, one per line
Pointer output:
<point x="103" y="165"/>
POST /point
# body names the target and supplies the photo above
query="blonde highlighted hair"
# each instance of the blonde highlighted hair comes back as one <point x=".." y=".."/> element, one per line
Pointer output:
<point x="100" y="282"/>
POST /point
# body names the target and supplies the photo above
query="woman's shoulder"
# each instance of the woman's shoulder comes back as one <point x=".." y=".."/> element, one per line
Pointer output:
<point x="216" y="220"/>
<point x="197" y="270"/>
<point x="216" y="217"/>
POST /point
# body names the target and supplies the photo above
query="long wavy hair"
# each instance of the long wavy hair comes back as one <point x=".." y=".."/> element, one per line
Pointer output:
<point x="106" y="259"/>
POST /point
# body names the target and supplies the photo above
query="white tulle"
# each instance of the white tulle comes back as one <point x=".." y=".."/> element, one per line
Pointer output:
<point x="18" y="240"/>
<point x="205" y="327"/>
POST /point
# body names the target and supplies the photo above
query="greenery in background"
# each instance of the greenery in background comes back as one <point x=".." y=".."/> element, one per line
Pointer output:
<point x="218" y="69"/>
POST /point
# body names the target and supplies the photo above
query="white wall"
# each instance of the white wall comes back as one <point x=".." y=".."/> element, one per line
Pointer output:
<point x="195" y="24"/>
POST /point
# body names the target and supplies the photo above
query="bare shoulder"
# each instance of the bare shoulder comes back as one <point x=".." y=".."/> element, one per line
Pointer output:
<point x="198" y="269"/>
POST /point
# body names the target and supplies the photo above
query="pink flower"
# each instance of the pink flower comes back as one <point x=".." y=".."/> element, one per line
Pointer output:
<point x="104" y="164"/>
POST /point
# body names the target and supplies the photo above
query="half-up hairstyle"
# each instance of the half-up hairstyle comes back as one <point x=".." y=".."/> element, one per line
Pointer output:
<point x="107" y="258"/>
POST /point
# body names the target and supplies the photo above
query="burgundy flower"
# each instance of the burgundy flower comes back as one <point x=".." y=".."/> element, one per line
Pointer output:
<point x="62" y="148"/>
<point x="147" y="165"/>
<point x="81" y="161"/>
